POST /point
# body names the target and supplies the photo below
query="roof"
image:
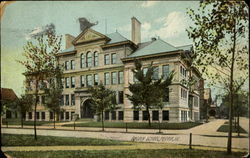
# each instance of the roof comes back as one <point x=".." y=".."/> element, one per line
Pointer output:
<point x="186" y="47"/>
<point x="70" y="49"/>
<point x="8" y="94"/>
<point x="154" y="47"/>
<point x="116" y="37"/>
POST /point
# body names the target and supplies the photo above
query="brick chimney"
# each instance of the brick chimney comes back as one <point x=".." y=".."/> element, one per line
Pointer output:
<point x="136" y="30"/>
<point x="68" y="40"/>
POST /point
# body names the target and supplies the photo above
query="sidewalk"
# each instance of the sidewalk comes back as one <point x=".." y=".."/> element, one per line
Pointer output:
<point x="134" y="146"/>
<point x="173" y="138"/>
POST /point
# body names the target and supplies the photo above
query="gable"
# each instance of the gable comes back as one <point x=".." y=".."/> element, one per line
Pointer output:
<point x="89" y="35"/>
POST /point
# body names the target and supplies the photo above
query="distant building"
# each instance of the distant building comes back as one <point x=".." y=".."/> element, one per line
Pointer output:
<point x="8" y="95"/>
<point x="92" y="57"/>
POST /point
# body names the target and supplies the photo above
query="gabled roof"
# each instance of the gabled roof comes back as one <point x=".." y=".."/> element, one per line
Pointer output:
<point x="155" y="47"/>
<point x="8" y="94"/>
<point x="116" y="38"/>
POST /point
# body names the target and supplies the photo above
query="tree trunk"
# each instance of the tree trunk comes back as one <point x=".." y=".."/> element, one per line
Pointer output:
<point x="54" y="119"/>
<point x="36" y="101"/>
<point x="102" y="122"/>
<point x="149" y="121"/>
<point x="21" y="120"/>
<point x="229" y="142"/>
<point x="238" y="124"/>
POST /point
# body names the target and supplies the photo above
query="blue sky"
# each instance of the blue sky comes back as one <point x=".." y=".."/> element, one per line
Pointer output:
<point x="166" y="19"/>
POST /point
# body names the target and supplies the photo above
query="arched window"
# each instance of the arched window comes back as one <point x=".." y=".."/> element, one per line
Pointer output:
<point x="89" y="59"/>
<point x="95" y="59"/>
<point x="82" y="61"/>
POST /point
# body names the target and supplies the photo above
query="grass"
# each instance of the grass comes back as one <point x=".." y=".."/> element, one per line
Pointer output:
<point x="137" y="125"/>
<point x="225" y="128"/>
<point x="28" y="140"/>
<point x="159" y="153"/>
<point x="26" y="123"/>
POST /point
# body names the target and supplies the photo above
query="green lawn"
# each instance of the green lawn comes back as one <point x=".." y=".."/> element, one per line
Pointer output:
<point x="26" y="123"/>
<point x="225" y="128"/>
<point x="160" y="153"/>
<point x="28" y="140"/>
<point x="137" y="125"/>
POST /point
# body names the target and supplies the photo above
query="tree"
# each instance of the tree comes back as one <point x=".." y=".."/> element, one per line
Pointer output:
<point x="102" y="99"/>
<point x="219" y="33"/>
<point x="40" y="62"/>
<point x="148" y="92"/>
<point x="24" y="104"/>
<point x="53" y="92"/>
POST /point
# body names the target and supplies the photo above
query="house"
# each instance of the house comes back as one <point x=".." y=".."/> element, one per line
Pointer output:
<point x="7" y="96"/>
<point x="93" y="57"/>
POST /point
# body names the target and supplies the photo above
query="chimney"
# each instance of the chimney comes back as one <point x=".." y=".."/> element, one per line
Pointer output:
<point x="136" y="30"/>
<point x="68" y="40"/>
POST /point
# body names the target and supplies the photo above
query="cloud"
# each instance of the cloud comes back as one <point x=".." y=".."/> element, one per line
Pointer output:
<point x="174" y="24"/>
<point x="147" y="4"/>
<point x="40" y="31"/>
<point x="125" y="28"/>
<point x="168" y="27"/>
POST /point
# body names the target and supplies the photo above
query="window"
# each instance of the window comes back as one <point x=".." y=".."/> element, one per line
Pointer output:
<point x="62" y="115"/>
<point x="106" y="78"/>
<point x="67" y="115"/>
<point x="72" y="115"/>
<point x="62" y="82"/>
<point x="30" y="115"/>
<point x="95" y="59"/>
<point x="89" y="59"/>
<point x="136" y="115"/>
<point x="62" y="100"/>
<point x="72" y="99"/>
<point x="156" y="73"/>
<point x="183" y="93"/>
<point x="72" y="82"/>
<point x="66" y="65"/>
<point x="183" y="71"/>
<point x="51" y="115"/>
<point x="82" y="81"/>
<point x="43" y="115"/>
<point x="96" y="80"/>
<point x="183" y="115"/>
<point x="67" y="99"/>
<point x="120" y="115"/>
<point x="165" y="71"/>
<point x="196" y="104"/>
<point x="106" y="59"/>
<point x="38" y="115"/>
<point x="113" y="115"/>
<point x="166" y="95"/>
<point x="43" y="99"/>
<point x="72" y="64"/>
<point x="114" y="77"/>
<point x="144" y="115"/>
<point x="8" y="114"/>
<point x="145" y="70"/>
<point x="67" y="82"/>
<point x="89" y="80"/>
<point x="106" y="115"/>
<point x="120" y="97"/>
<point x="165" y="115"/>
<point x="155" y="115"/>
<point x="113" y="58"/>
<point x="120" y="80"/>
<point x="82" y="61"/>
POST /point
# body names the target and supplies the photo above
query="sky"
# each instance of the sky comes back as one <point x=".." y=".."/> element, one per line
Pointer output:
<point x="164" y="19"/>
